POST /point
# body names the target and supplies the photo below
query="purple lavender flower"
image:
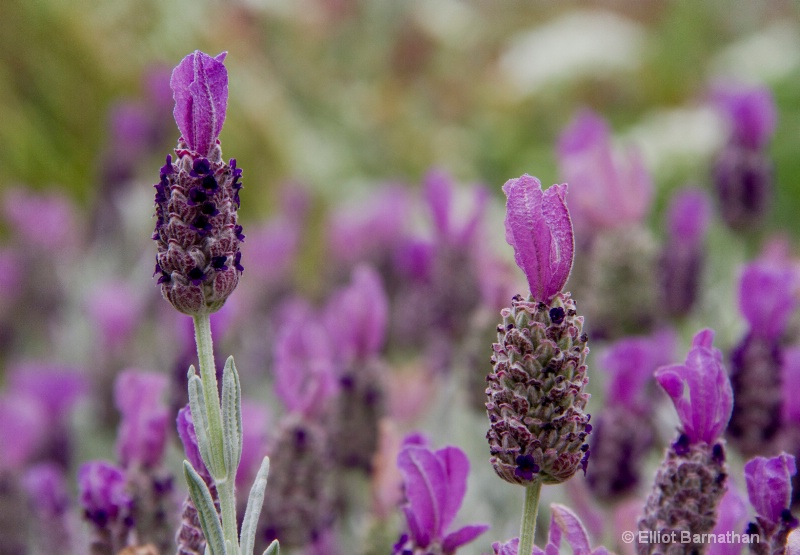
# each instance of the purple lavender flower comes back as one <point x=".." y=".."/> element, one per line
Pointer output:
<point x="769" y="488"/>
<point x="610" y="191"/>
<point x="143" y="429"/>
<point x="690" y="482"/>
<point x="106" y="504"/>
<point x="683" y="255"/>
<point x="563" y="524"/>
<point x="188" y="438"/>
<point x="766" y="300"/>
<point x="115" y="311"/>
<point x="742" y="172"/>
<point x="304" y="362"/>
<point x="56" y="230"/>
<point x="622" y="434"/>
<point x="536" y="397"/>
<point x="705" y="411"/>
<point x="750" y="112"/>
<point x="198" y="262"/>
<point x="356" y="320"/>
<point x="47" y="492"/>
<point x="435" y="485"/>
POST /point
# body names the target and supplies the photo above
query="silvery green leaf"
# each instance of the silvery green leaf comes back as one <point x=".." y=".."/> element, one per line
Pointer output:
<point x="229" y="548"/>
<point x="231" y="417"/>
<point x="209" y="520"/>
<point x="273" y="549"/>
<point x="200" y="418"/>
<point x="253" y="510"/>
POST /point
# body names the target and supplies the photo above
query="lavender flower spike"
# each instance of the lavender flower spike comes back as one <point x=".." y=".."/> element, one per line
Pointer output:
<point x="691" y="481"/>
<point x="706" y="410"/>
<point x="539" y="229"/>
<point x="197" y="198"/>
<point x="435" y="484"/>
<point x="769" y="487"/>
<point x="200" y="87"/>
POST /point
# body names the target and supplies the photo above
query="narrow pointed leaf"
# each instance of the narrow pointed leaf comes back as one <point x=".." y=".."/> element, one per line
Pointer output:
<point x="231" y="418"/>
<point x="273" y="549"/>
<point x="200" y="419"/>
<point x="209" y="520"/>
<point x="254" y="503"/>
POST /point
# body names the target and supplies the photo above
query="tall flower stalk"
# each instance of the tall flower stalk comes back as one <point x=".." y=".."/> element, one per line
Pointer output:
<point x="199" y="265"/>
<point x="536" y="399"/>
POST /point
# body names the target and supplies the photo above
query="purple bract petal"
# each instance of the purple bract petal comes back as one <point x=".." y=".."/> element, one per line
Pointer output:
<point x="539" y="229"/>
<point x="462" y="536"/>
<point x="200" y="88"/>
<point x="766" y="297"/>
<point x="47" y="489"/>
<point x="565" y="523"/>
<point x="769" y="484"/>
<point x="437" y="187"/>
<point x="426" y="491"/>
<point x="704" y="410"/>
<point x="456" y="466"/>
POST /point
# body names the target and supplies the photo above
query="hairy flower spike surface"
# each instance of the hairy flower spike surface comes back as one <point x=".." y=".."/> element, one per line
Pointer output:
<point x="536" y="399"/>
<point x="197" y="197"/>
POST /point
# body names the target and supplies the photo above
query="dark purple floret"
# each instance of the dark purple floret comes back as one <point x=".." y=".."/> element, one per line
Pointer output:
<point x="237" y="262"/>
<point x="197" y="196"/>
<point x="196" y="275"/>
<point x="526" y="467"/>
<point x="681" y="446"/>
<point x="210" y="184"/>
<point x="167" y="168"/>
<point x="201" y="225"/>
<point x="237" y="229"/>
<point x="209" y="209"/>
<point x="200" y="167"/>
<point x="219" y="263"/>
<point x="557" y="315"/>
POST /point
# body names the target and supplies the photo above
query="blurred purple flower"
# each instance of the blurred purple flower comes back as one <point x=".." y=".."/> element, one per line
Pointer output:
<point x="609" y="191"/>
<point x="56" y="226"/>
<point x="142" y="431"/>
<point x="102" y="493"/>
<point x="438" y="191"/>
<point x="700" y="390"/>
<point x="57" y="388"/>
<point x="631" y="363"/>
<point x="730" y="518"/>
<point x="115" y="310"/>
<point x="539" y="229"/>
<point x="766" y="297"/>
<point x="200" y="87"/>
<point x="304" y="369"/>
<point x="47" y="489"/>
<point x="790" y="377"/>
<point x="750" y="112"/>
<point x="688" y="216"/>
<point x="370" y="229"/>
<point x="769" y="485"/>
<point x="356" y="316"/>
<point x="682" y="258"/>
<point x="24" y="429"/>
<point x="435" y="484"/>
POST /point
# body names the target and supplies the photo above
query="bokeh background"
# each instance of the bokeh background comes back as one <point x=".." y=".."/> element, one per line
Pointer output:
<point x="339" y="98"/>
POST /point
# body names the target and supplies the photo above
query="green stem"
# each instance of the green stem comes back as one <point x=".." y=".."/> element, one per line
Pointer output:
<point x="208" y="376"/>
<point x="529" y="511"/>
